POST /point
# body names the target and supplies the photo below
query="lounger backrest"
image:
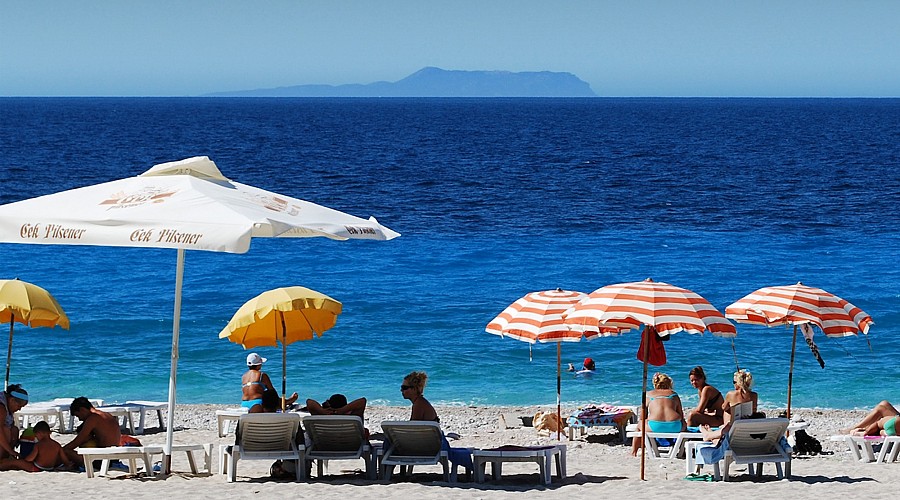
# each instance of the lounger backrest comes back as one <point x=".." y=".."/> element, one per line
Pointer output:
<point x="742" y="410"/>
<point x="414" y="438"/>
<point x="267" y="432"/>
<point x="335" y="433"/>
<point x="756" y="436"/>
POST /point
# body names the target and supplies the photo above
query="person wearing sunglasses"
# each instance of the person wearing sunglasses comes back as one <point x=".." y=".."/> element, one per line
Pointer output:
<point x="413" y="389"/>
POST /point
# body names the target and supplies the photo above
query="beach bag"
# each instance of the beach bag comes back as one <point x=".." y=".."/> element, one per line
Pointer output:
<point x="806" y="444"/>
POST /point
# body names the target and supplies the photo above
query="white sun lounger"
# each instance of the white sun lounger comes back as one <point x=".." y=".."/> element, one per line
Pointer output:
<point x="542" y="455"/>
<point x="862" y="448"/>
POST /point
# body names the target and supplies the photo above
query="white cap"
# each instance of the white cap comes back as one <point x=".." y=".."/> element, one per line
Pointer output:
<point x="254" y="359"/>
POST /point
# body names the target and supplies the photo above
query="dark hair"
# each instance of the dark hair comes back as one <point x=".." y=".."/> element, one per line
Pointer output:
<point x="80" y="402"/>
<point x="697" y="371"/>
<point x="42" y="426"/>
<point x="15" y="387"/>
<point x="335" y="401"/>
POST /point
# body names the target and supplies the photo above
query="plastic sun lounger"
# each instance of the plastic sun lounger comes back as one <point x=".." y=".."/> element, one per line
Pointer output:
<point x="143" y="407"/>
<point x="603" y="415"/>
<point x="674" y="450"/>
<point x="863" y="447"/>
<point x="542" y="455"/>
<point x="227" y="419"/>
<point x="751" y="442"/>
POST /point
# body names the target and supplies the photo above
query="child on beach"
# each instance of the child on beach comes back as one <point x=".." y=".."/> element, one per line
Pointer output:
<point x="47" y="454"/>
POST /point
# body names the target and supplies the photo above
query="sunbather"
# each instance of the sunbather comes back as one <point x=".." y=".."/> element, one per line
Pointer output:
<point x="13" y="399"/>
<point x="337" y="405"/>
<point x="709" y="409"/>
<point x="46" y="455"/>
<point x="98" y="429"/>
<point x="881" y="421"/>
<point x="255" y="381"/>
<point x="413" y="389"/>
<point x="664" y="411"/>
<point x="742" y="393"/>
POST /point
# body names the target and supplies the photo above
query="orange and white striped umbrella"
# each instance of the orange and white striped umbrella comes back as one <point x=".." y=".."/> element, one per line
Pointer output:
<point x="662" y="308"/>
<point x="537" y="317"/>
<point x="798" y="304"/>
<point x="614" y="309"/>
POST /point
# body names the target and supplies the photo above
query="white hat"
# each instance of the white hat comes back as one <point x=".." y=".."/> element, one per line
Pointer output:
<point x="254" y="359"/>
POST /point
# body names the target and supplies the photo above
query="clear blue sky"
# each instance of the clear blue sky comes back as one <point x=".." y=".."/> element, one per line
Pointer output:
<point x="621" y="48"/>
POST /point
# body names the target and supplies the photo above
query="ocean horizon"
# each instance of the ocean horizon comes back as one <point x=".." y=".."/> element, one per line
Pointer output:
<point x="494" y="198"/>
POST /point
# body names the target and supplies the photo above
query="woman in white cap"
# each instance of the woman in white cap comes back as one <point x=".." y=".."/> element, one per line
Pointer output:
<point x="255" y="382"/>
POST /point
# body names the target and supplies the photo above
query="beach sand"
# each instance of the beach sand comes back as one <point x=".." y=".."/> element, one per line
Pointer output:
<point x="598" y="466"/>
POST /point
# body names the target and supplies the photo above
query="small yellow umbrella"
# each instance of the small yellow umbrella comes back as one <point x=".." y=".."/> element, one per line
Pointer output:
<point x="28" y="304"/>
<point x="283" y="315"/>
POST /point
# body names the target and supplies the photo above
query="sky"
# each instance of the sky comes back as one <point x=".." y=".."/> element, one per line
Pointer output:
<point x="779" y="48"/>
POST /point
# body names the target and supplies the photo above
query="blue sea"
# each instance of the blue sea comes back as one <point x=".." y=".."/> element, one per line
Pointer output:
<point x="494" y="198"/>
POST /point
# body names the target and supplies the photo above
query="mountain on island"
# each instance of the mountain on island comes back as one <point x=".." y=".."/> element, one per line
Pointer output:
<point x="436" y="82"/>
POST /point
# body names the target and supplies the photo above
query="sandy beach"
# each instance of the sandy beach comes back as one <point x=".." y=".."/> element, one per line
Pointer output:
<point x="598" y="464"/>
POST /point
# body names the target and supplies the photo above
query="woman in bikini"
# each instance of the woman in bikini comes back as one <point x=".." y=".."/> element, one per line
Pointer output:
<point x="881" y="421"/>
<point x="664" y="410"/>
<point x="742" y="393"/>
<point x="255" y="382"/>
<point x="709" y="410"/>
<point x="413" y="389"/>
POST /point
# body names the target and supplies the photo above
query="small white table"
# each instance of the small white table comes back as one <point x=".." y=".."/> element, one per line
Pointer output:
<point x="542" y="455"/>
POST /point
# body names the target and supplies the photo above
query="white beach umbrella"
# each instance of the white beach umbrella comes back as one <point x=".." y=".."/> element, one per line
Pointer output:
<point x="186" y="204"/>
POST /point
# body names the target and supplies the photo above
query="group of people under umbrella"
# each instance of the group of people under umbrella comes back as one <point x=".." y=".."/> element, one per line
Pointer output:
<point x="661" y="309"/>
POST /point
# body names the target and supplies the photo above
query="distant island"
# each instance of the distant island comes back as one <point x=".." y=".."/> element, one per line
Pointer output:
<point x="437" y="82"/>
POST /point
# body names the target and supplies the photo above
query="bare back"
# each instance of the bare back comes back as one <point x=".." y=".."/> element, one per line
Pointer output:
<point x="664" y="405"/>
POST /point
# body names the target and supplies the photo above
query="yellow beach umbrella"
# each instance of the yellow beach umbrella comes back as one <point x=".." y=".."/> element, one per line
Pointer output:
<point x="30" y="305"/>
<point x="283" y="315"/>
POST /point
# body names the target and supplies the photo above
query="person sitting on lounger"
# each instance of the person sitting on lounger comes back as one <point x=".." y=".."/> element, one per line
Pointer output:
<point x="413" y="389"/>
<point x="742" y="393"/>
<point x="255" y="382"/>
<point x="46" y="455"/>
<point x="709" y="409"/>
<point x="664" y="411"/>
<point x="270" y="403"/>
<point x="881" y="421"/>
<point x="337" y="405"/>
<point x="98" y="429"/>
<point x="13" y="399"/>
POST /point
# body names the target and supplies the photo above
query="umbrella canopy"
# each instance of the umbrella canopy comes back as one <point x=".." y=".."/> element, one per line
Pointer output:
<point x="30" y="305"/>
<point x="662" y="308"/>
<point x="186" y="204"/>
<point x="797" y="305"/>
<point x="537" y="317"/>
<point x="282" y="315"/>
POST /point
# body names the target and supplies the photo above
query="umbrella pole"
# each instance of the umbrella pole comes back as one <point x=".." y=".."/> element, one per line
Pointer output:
<point x="12" y="321"/>
<point x="283" y="363"/>
<point x="791" y="372"/>
<point x="558" y="390"/>
<point x="644" y="412"/>
<point x="176" y="324"/>
<point x="734" y="351"/>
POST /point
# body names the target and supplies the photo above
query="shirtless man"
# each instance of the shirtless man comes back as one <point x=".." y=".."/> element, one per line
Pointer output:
<point x="98" y="429"/>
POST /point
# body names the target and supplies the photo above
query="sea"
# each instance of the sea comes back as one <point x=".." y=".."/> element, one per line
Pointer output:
<point x="494" y="198"/>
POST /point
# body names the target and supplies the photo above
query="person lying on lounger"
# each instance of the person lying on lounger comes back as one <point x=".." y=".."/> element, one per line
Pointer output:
<point x="98" y="429"/>
<point x="665" y="413"/>
<point x="881" y="421"/>
<point x="46" y="455"/>
<point x="337" y="405"/>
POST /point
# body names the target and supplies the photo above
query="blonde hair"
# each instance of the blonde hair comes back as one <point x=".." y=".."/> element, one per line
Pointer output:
<point x="744" y="379"/>
<point x="662" y="381"/>
<point x="417" y="380"/>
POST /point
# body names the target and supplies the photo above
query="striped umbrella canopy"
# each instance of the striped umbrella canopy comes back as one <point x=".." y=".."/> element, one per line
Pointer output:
<point x="537" y="317"/>
<point x="662" y="309"/>
<point x="797" y="305"/>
